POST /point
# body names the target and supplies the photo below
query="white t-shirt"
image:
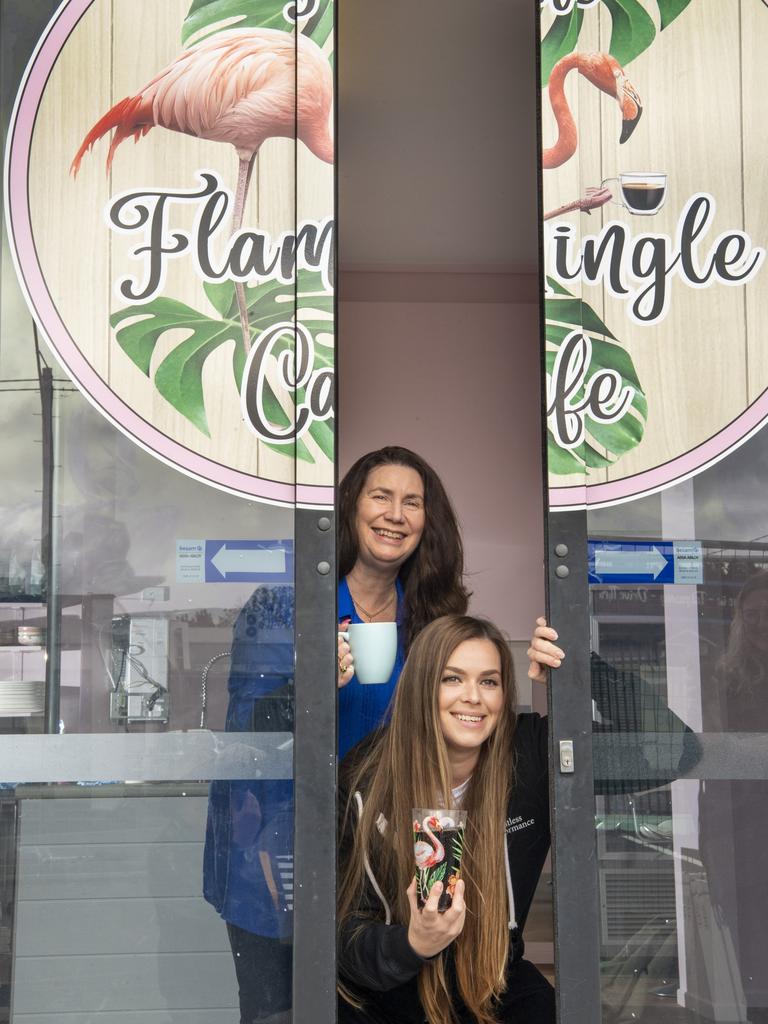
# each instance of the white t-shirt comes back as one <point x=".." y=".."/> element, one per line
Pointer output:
<point x="459" y="792"/>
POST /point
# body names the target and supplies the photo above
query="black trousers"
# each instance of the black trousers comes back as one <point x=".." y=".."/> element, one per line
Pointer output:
<point x="529" y="999"/>
<point x="264" y="974"/>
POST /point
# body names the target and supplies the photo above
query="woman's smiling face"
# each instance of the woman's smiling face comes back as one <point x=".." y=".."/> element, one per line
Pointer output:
<point x="471" y="696"/>
<point x="390" y="516"/>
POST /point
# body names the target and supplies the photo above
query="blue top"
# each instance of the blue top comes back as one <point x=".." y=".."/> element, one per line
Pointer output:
<point x="248" y="859"/>
<point x="363" y="708"/>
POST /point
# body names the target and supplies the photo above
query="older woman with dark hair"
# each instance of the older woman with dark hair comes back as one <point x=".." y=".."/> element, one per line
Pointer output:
<point x="400" y="559"/>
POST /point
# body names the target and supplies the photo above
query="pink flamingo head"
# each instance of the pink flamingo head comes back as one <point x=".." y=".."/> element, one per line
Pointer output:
<point x="428" y="854"/>
<point x="606" y="74"/>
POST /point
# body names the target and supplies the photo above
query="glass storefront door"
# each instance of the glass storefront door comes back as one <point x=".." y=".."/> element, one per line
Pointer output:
<point x="668" y="801"/>
<point x="167" y="593"/>
<point x="656" y="403"/>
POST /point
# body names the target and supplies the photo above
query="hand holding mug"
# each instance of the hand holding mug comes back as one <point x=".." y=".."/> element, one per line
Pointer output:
<point x="429" y="930"/>
<point x="345" y="660"/>
<point x="370" y="648"/>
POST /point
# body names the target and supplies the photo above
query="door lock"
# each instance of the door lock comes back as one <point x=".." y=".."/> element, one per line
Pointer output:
<point x="566" y="757"/>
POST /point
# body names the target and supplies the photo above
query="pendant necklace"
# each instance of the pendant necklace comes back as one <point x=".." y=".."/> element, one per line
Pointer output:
<point x="370" y="616"/>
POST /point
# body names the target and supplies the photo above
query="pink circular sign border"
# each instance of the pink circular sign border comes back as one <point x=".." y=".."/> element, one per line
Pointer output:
<point x="33" y="284"/>
<point x="683" y="467"/>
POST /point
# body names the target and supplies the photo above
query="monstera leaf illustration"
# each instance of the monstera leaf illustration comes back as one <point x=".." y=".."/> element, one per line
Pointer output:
<point x="216" y="15"/>
<point x="179" y="376"/>
<point x="563" y="315"/>
<point x="633" y="30"/>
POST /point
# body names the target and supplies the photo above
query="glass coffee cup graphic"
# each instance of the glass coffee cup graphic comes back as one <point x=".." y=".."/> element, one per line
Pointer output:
<point x="642" y="192"/>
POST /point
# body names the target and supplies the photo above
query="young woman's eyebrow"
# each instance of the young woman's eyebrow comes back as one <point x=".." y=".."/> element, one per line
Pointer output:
<point x="461" y="672"/>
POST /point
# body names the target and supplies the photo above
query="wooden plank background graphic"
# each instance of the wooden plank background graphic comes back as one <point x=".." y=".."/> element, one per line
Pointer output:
<point x="700" y="82"/>
<point x="113" y="52"/>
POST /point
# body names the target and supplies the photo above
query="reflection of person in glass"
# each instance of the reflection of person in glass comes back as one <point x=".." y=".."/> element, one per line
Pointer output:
<point x="248" y="865"/>
<point x="734" y="814"/>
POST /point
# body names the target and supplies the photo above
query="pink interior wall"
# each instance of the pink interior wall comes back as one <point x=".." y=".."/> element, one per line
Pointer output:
<point x="459" y="383"/>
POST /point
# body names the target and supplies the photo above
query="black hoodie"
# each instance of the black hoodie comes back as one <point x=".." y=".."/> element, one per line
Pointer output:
<point x="374" y="954"/>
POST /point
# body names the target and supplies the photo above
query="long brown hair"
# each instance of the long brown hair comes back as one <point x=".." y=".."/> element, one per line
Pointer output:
<point x="407" y="766"/>
<point x="432" y="577"/>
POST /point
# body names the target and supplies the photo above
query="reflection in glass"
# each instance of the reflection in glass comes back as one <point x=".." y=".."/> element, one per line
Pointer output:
<point x="248" y="866"/>
<point x="684" y="914"/>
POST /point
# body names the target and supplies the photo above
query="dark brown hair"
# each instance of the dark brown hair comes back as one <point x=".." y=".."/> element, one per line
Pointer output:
<point x="432" y="577"/>
<point x="407" y="766"/>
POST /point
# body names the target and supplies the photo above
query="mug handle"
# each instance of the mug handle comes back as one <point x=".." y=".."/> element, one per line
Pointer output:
<point x="616" y="202"/>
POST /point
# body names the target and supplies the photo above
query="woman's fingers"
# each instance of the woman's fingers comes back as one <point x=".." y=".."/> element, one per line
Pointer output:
<point x="543" y="652"/>
<point x="430" y="907"/>
<point x="543" y="631"/>
<point x="457" y="905"/>
<point x="430" y="930"/>
<point x="410" y="892"/>
<point x="345" y="662"/>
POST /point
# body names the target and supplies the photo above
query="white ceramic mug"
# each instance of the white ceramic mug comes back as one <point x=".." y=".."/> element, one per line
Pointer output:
<point x="374" y="650"/>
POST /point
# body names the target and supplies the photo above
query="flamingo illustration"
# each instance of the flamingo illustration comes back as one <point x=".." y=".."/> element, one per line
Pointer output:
<point x="426" y="855"/>
<point x="240" y="86"/>
<point x="604" y="72"/>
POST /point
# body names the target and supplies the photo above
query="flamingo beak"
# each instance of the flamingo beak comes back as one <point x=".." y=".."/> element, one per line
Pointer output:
<point x="631" y="107"/>
<point x="628" y="125"/>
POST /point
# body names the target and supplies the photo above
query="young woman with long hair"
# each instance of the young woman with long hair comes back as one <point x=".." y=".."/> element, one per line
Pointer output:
<point x="454" y="730"/>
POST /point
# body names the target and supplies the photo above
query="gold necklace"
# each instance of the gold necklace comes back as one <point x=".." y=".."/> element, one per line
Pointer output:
<point x="371" y="615"/>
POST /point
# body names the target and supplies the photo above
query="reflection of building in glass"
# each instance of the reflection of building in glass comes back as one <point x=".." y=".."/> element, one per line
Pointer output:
<point x="681" y="878"/>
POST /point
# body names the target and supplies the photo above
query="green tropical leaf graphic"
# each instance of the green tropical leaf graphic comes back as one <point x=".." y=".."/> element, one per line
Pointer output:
<point x="179" y="376"/>
<point x="437" y="874"/>
<point x="669" y="10"/>
<point x="218" y="15"/>
<point x="560" y="40"/>
<point x="320" y="26"/>
<point x="632" y="30"/>
<point x="563" y="316"/>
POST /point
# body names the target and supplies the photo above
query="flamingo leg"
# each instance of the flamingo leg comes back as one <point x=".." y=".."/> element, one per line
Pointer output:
<point x="243" y="181"/>
<point x="593" y="199"/>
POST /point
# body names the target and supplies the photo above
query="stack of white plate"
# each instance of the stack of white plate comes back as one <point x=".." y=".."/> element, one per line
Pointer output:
<point x="21" y="697"/>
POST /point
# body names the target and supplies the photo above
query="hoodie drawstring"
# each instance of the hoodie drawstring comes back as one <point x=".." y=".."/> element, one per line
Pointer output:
<point x="512" y="923"/>
<point x="368" y="871"/>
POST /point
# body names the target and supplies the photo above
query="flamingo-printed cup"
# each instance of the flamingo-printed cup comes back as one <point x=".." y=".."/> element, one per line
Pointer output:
<point x="438" y="843"/>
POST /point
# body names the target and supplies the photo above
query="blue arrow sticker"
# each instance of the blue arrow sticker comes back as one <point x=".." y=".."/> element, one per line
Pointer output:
<point x="234" y="561"/>
<point x="645" y="561"/>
